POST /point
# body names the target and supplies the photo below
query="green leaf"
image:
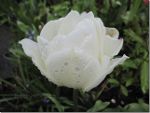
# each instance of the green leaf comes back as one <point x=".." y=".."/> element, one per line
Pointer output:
<point x="23" y="27"/>
<point x="137" y="107"/>
<point x="134" y="37"/>
<point x="124" y="90"/>
<point x="17" y="51"/>
<point x="130" y="64"/>
<point x="99" y="106"/>
<point x="66" y="101"/>
<point x="54" y="100"/>
<point x="129" y="82"/>
<point x="144" y="77"/>
<point x="7" y="82"/>
<point x="8" y="99"/>
<point x="113" y="81"/>
<point x="131" y="14"/>
<point x="116" y="109"/>
<point x="40" y="109"/>
<point x="143" y="105"/>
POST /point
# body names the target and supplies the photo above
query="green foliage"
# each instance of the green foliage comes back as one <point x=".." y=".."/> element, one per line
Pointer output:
<point x="124" y="90"/>
<point x="88" y="6"/>
<point x="144" y="77"/>
<point x="98" y="106"/>
<point x="136" y="107"/>
<point x="132" y="107"/>
<point x="58" y="105"/>
<point x="28" y="90"/>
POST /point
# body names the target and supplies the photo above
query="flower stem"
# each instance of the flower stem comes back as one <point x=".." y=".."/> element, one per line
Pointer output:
<point x="57" y="90"/>
<point x="75" y="99"/>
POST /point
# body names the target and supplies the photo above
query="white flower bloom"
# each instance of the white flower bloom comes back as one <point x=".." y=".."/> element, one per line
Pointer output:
<point x="75" y="51"/>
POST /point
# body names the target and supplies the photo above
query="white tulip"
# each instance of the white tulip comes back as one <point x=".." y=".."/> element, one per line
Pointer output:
<point x="75" y="51"/>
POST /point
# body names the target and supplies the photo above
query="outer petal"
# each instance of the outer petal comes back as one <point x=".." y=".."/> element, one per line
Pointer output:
<point x="42" y="44"/>
<point x="90" y="45"/>
<point x="100" y="29"/>
<point x="84" y="36"/>
<point x="63" y="26"/>
<point x="112" y="46"/>
<point x="50" y="30"/>
<point x="31" y="49"/>
<point x="72" y="68"/>
<point x="68" y="23"/>
<point x="85" y="15"/>
<point x="112" y="32"/>
<point x="114" y="62"/>
<point x="71" y="20"/>
<point x="102" y="74"/>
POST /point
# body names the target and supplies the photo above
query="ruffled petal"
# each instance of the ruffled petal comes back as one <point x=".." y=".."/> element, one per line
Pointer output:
<point x="99" y="76"/>
<point x="107" y="69"/>
<point x="112" y="32"/>
<point x="31" y="49"/>
<point x="100" y="29"/>
<point x="112" y="46"/>
<point x="83" y="29"/>
<point x="70" y="67"/>
<point x="90" y="45"/>
<point x="68" y="23"/>
<point x="88" y="15"/>
<point x="50" y="30"/>
<point x="64" y="25"/>
<point x="114" y="62"/>
<point x="83" y="36"/>
<point x="43" y="47"/>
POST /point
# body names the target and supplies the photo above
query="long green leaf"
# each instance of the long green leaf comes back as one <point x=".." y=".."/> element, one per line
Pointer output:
<point x="99" y="106"/>
<point x="144" y="77"/>
<point x="54" y="100"/>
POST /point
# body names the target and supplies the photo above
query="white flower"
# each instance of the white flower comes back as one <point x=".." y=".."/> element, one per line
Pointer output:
<point x="75" y="51"/>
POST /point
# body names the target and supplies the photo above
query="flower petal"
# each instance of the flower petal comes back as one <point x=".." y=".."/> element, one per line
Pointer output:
<point x="102" y="74"/>
<point x="42" y="46"/>
<point x="64" y="25"/>
<point x="50" y="30"/>
<point x="31" y="49"/>
<point x="114" y="62"/>
<point x="100" y="29"/>
<point x="83" y="36"/>
<point x="85" y="15"/>
<point x="112" y="32"/>
<point x="112" y="46"/>
<point x="69" y="68"/>
<point x="68" y="23"/>
<point x="90" y="45"/>
<point x="84" y="28"/>
<point x="99" y="76"/>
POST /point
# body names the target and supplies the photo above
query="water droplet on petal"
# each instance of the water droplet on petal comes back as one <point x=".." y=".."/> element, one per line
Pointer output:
<point x="56" y="71"/>
<point x="77" y="68"/>
<point x="78" y="81"/>
<point x="61" y="70"/>
<point x="66" y="63"/>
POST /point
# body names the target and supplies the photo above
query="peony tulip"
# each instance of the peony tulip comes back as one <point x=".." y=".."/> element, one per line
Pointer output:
<point x="76" y="51"/>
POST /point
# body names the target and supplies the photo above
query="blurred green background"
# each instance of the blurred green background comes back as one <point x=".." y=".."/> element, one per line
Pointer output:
<point x="23" y="88"/>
